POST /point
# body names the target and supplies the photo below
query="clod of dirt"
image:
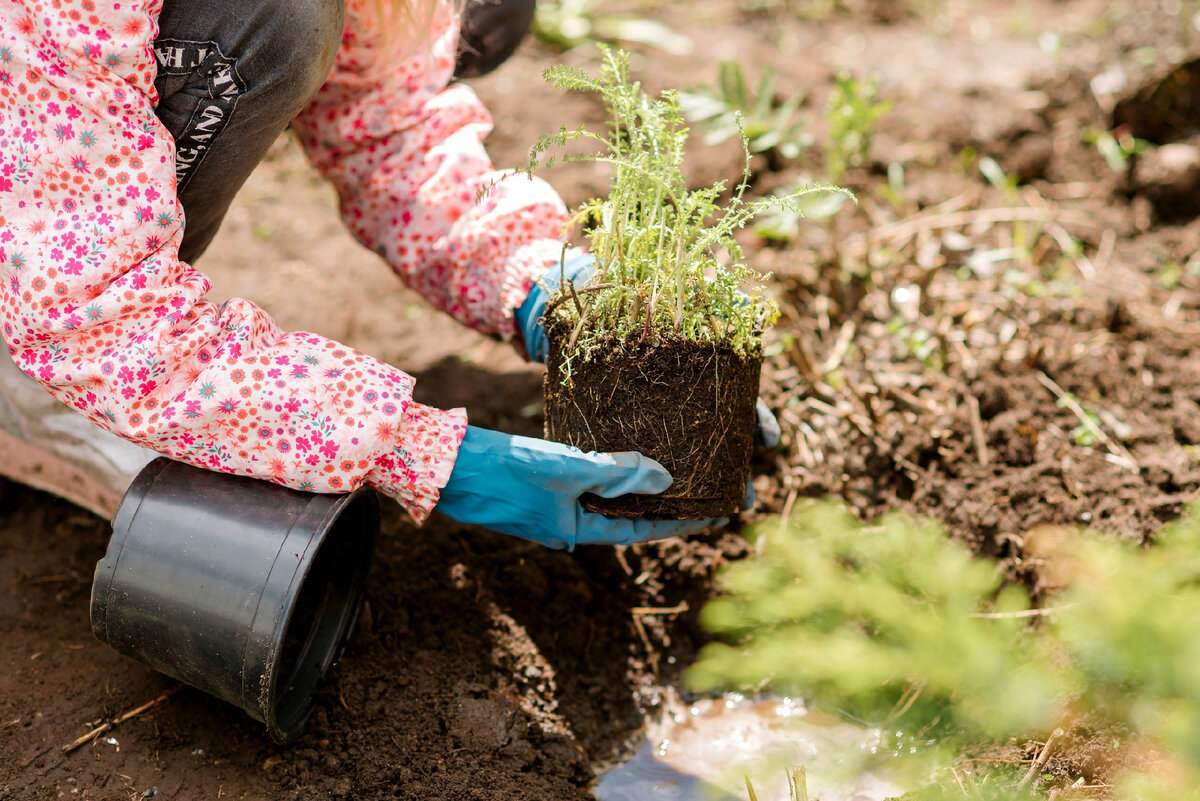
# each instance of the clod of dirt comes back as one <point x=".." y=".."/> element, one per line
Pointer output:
<point x="481" y="723"/>
<point x="1013" y="438"/>
<point x="1186" y="424"/>
<point x="1169" y="176"/>
<point x="689" y="405"/>
<point x="1029" y="157"/>
<point x="1166" y="109"/>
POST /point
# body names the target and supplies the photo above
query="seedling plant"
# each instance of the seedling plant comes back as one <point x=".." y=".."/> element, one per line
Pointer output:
<point x="667" y="262"/>
<point x="573" y="23"/>
<point x="852" y="115"/>
<point x="771" y="125"/>
<point x="660" y="350"/>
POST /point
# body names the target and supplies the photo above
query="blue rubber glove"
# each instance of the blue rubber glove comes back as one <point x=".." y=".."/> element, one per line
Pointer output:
<point x="577" y="268"/>
<point x="530" y="488"/>
<point x="766" y="428"/>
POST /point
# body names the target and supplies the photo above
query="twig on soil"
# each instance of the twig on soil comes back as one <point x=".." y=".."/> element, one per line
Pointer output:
<point x="623" y="562"/>
<point x="1042" y="756"/>
<point x="904" y="230"/>
<point x="804" y="360"/>
<point x="660" y="610"/>
<point x="47" y="579"/>
<point x="786" y="514"/>
<point x="1046" y="610"/>
<point x="1120" y="455"/>
<point x="1067" y="243"/>
<point x="840" y="347"/>
<point x="1108" y="243"/>
<point x="958" y="780"/>
<point x="798" y="784"/>
<point x="36" y="756"/>
<point x="103" y="727"/>
<point x="882" y="445"/>
<point x="981" y="448"/>
<point x="651" y="656"/>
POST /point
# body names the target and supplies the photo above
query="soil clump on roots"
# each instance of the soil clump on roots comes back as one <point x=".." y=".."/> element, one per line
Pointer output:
<point x="689" y="405"/>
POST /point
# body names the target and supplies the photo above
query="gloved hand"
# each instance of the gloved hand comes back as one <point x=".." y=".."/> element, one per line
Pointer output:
<point x="530" y="488"/>
<point x="577" y="267"/>
<point x="766" y="428"/>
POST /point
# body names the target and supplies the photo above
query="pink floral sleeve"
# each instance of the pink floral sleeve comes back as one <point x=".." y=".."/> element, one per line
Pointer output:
<point x="405" y="152"/>
<point x="95" y="303"/>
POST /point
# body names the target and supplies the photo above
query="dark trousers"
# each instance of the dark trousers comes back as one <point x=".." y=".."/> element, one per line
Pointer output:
<point x="233" y="73"/>
<point x="231" y="76"/>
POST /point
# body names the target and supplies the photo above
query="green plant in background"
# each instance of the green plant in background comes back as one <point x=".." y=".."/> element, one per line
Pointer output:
<point x="1172" y="274"/>
<point x="853" y="115"/>
<point x="1007" y="184"/>
<point x="571" y="23"/>
<point x="666" y="259"/>
<point x="1115" y="147"/>
<point x="730" y="108"/>
<point x="897" y="625"/>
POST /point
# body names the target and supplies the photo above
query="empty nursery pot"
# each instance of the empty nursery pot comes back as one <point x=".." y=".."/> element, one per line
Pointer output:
<point x="242" y="588"/>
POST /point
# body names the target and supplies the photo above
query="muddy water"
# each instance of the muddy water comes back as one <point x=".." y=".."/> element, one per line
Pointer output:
<point x="705" y="751"/>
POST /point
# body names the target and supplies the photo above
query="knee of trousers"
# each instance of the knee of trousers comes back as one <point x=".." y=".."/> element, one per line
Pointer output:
<point x="293" y="49"/>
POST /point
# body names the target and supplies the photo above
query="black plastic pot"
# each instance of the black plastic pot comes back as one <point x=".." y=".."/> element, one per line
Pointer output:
<point x="242" y="588"/>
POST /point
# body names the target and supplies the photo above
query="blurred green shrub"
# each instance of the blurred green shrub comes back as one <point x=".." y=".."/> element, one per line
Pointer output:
<point x="895" y="624"/>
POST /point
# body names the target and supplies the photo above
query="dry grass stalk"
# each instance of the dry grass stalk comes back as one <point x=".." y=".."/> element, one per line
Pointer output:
<point x="104" y="727"/>
<point x="1119" y="454"/>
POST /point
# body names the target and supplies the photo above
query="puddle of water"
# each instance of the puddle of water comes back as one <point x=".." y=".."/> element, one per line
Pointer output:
<point x="704" y="751"/>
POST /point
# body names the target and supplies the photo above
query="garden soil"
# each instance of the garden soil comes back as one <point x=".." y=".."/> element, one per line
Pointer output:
<point x="999" y="354"/>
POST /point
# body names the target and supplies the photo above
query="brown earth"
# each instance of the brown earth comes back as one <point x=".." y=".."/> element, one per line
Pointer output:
<point x="996" y="356"/>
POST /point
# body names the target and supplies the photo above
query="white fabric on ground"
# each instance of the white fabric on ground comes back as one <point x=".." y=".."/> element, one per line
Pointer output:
<point x="29" y="414"/>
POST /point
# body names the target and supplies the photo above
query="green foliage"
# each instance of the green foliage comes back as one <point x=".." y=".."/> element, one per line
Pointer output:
<point x="1172" y="274"/>
<point x="876" y="619"/>
<point x="1085" y="434"/>
<point x="781" y="222"/>
<point x="1005" y="183"/>
<point x="853" y="115"/>
<point x="899" y="626"/>
<point x="1115" y="147"/>
<point x="731" y="108"/>
<point x="666" y="258"/>
<point x="571" y="23"/>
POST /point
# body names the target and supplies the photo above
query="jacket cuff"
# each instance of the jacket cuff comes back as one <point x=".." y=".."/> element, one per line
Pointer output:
<point x="528" y="266"/>
<point x="422" y="458"/>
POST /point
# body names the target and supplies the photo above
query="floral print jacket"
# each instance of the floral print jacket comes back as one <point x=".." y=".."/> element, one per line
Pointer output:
<point x="96" y="305"/>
